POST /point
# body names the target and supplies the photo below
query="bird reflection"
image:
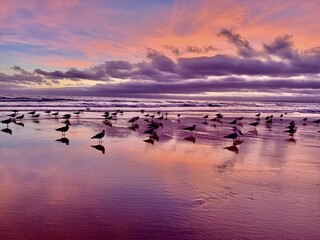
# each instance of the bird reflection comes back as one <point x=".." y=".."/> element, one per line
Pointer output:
<point x="134" y="127"/>
<point x="149" y="140"/>
<point x="254" y="132"/>
<point x="99" y="148"/>
<point x="63" y="140"/>
<point x="20" y="124"/>
<point x="7" y="130"/>
<point x="233" y="148"/>
<point x="291" y="140"/>
<point x="190" y="138"/>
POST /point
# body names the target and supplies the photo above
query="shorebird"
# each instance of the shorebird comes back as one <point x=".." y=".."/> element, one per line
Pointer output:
<point x="191" y="129"/>
<point x="219" y="115"/>
<point x="20" y="117"/>
<point x="317" y="121"/>
<point x="63" y="130"/>
<point x="258" y="114"/>
<point x="66" y="116"/>
<point x="77" y="113"/>
<point x="254" y="124"/>
<point x="99" y="136"/>
<point x="234" y="121"/>
<point x="47" y="112"/>
<point x="291" y="131"/>
<point x="55" y="113"/>
<point x="7" y="121"/>
<point x="32" y="112"/>
<point x="13" y="115"/>
<point x="234" y="136"/>
<point x="134" y="119"/>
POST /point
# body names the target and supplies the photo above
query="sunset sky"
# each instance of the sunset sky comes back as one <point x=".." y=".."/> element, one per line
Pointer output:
<point x="197" y="48"/>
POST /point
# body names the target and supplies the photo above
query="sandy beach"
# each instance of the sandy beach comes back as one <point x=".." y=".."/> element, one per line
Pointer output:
<point x="267" y="187"/>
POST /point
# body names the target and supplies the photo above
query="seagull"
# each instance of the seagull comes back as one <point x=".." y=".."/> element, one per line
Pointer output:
<point x="20" y="117"/>
<point x="291" y="131"/>
<point x="317" y="121"/>
<point x="191" y="129"/>
<point x="55" y="113"/>
<point x="234" y="121"/>
<point x="66" y="116"/>
<point x="7" y="121"/>
<point x="63" y="130"/>
<point x="234" y="136"/>
<point x="99" y="135"/>
<point x="254" y="124"/>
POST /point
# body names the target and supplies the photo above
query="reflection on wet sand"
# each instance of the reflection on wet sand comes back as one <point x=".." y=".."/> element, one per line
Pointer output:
<point x="7" y="130"/>
<point x="190" y="138"/>
<point x="99" y="148"/>
<point x="232" y="148"/>
<point x="63" y="140"/>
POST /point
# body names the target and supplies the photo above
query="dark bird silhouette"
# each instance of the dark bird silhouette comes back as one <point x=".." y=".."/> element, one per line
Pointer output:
<point x="12" y="115"/>
<point x="7" y="130"/>
<point x="7" y="121"/>
<point x="232" y="148"/>
<point x="154" y="136"/>
<point x="190" y="139"/>
<point x="55" y="114"/>
<point x="47" y="112"/>
<point x="149" y="140"/>
<point x="191" y="129"/>
<point x="291" y="131"/>
<point x="254" y="124"/>
<point x="234" y="121"/>
<point x="66" y="116"/>
<point x="63" y="130"/>
<point x="134" y="119"/>
<point x="317" y="121"/>
<point x="99" y="135"/>
<point x="99" y="148"/>
<point x="63" y="140"/>
<point x="32" y="112"/>
<point x="258" y="114"/>
<point x="20" y="117"/>
<point x="107" y="122"/>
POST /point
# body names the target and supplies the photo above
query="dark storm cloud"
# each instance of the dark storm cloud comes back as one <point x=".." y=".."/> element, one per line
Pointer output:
<point x="243" y="46"/>
<point x="282" y="46"/>
<point x="282" y="68"/>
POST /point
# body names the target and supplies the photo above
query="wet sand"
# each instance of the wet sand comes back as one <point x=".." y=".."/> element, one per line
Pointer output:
<point x="268" y="187"/>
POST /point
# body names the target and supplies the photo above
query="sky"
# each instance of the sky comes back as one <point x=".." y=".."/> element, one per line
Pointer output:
<point x="160" y="48"/>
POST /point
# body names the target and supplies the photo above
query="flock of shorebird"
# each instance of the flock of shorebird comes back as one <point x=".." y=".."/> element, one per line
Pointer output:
<point x="154" y="122"/>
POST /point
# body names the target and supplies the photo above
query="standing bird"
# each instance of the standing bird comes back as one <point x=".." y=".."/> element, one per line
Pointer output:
<point x="7" y="121"/>
<point x="99" y="136"/>
<point x="191" y="129"/>
<point x="63" y="130"/>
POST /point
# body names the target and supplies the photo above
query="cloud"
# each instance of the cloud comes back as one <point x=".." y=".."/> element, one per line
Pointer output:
<point x="190" y="49"/>
<point x="243" y="46"/>
<point x="282" y="46"/>
<point x="291" y="71"/>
